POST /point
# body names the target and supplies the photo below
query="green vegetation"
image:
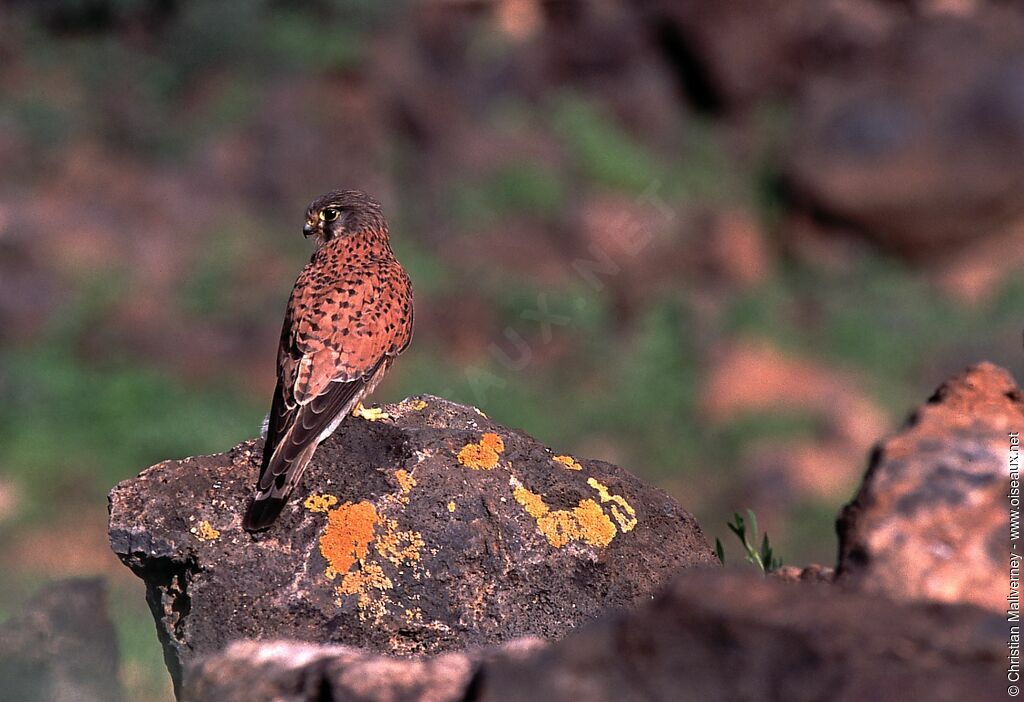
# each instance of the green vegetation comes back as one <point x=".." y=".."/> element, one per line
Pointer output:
<point x="764" y="558"/>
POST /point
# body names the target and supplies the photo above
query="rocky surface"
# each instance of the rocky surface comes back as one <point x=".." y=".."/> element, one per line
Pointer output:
<point x="723" y="636"/>
<point x="62" y="647"/>
<point x="931" y="519"/>
<point x="708" y="636"/>
<point x="430" y="530"/>
<point x="296" y="671"/>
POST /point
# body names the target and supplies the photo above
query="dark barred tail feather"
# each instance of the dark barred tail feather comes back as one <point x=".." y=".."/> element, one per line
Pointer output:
<point x="262" y="513"/>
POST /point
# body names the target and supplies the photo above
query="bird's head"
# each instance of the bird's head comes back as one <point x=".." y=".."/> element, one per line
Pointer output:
<point x="343" y="213"/>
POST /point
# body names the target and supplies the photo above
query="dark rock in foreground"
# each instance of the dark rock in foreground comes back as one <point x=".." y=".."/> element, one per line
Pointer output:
<point x="295" y="671"/>
<point x="62" y="647"/>
<point x="708" y="636"/>
<point x="720" y="636"/>
<point x="429" y="531"/>
<point x="932" y="518"/>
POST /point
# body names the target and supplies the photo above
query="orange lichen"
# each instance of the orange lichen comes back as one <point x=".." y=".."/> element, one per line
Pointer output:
<point x="405" y="480"/>
<point x="585" y="522"/>
<point x="320" y="503"/>
<point x="569" y="462"/>
<point x="348" y="534"/>
<point x="493" y="442"/>
<point x="482" y="455"/>
<point x="626" y="516"/>
<point x="205" y="531"/>
<point x="346" y="543"/>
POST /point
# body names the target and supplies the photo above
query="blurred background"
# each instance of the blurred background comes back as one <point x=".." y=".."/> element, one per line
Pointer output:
<point x="725" y="244"/>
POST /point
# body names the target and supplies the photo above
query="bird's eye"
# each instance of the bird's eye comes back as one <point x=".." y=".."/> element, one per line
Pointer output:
<point x="330" y="214"/>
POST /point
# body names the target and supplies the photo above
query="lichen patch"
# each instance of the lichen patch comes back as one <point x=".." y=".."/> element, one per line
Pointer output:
<point x="484" y="454"/>
<point x="359" y="544"/>
<point x="370" y="414"/>
<point x="621" y="510"/>
<point x="320" y="502"/>
<point x="348" y="534"/>
<point x="204" y="531"/>
<point x="569" y="462"/>
<point x="585" y="522"/>
<point x="405" y="480"/>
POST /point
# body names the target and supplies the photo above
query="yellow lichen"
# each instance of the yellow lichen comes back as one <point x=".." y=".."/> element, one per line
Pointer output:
<point x="451" y="506"/>
<point x="371" y="414"/>
<point x="348" y="534"/>
<point x="482" y="455"/>
<point x="626" y="516"/>
<point x="418" y="405"/>
<point x="405" y="480"/>
<point x="205" y="531"/>
<point x="320" y="503"/>
<point x="399" y="547"/>
<point x="569" y="462"/>
<point x="585" y="522"/>
<point x="362" y="582"/>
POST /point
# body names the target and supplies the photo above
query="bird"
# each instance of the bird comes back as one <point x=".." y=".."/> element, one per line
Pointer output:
<point x="350" y="314"/>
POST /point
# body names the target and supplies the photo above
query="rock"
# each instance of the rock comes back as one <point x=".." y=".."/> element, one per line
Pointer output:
<point x="872" y="145"/>
<point x="293" y="671"/>
<point x="431" y="530"/>
<point x="727" y="636"/>
<point x="732" y="54"/>
<point x="707" y="636"/>
<point x="931" y="519"/>
<point x="62" y="647"/>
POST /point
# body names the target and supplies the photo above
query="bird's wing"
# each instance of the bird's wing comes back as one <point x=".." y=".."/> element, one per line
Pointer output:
<point x="336" y="340"/>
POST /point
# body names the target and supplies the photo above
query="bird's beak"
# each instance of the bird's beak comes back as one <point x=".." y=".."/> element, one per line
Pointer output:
<point x="308" y="230"/>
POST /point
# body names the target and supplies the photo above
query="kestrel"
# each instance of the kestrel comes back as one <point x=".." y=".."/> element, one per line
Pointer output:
<point x="348" y="317"/>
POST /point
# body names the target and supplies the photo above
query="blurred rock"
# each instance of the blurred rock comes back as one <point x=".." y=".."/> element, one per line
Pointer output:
<point x="257" y="671"/>
<point x="813" y="573"/>
<point x="726" y="636"/>
<point x="931" y="520"/>
<point x="62" y="647"/>
<point x="736" y="250"/>
<point x="432" y="530"/>
<point x="919" y="146"/>
<point x="707" y="636"/>
<point x="730" y="54"/>
<point x="793" y="468"/>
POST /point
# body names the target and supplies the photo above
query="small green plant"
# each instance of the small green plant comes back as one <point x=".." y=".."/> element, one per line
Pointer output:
<point x="764" y="558"/>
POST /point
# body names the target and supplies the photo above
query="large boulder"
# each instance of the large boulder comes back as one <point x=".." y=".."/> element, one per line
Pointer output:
<point x="62" y="647"/>
<point x="430" y="530"/>
<point x="932" y="517"/>
<point x="708" y="636"/>
<point x="919" y="147"/>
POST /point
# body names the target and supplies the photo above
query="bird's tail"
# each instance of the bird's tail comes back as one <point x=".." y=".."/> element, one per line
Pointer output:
<point x="267" y="504"/>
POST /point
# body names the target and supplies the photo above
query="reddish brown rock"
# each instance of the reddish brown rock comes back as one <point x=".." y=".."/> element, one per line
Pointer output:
<point x="931" y="520"/>
<point x="431" y="530"/>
